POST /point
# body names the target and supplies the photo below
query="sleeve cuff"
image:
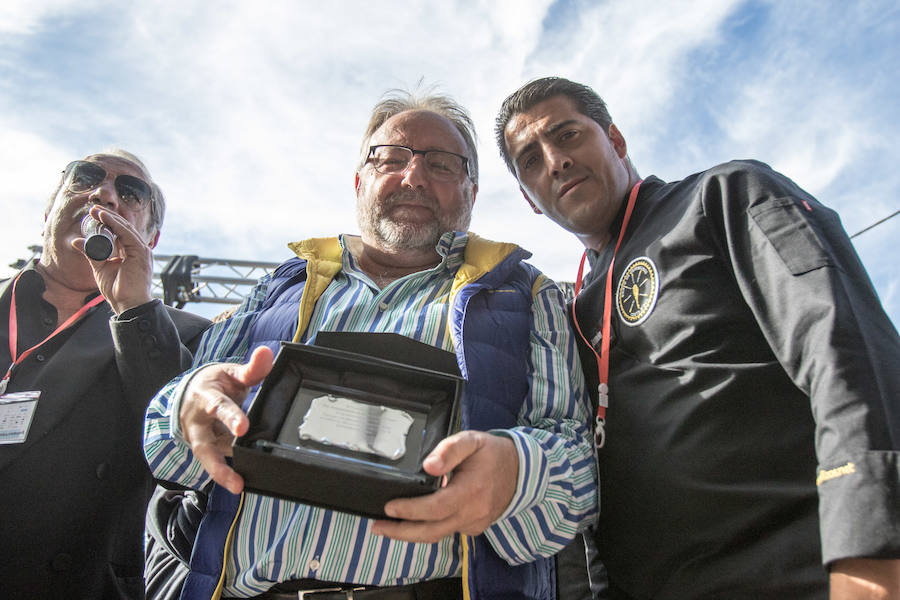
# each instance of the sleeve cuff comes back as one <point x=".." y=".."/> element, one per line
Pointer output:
<point x="137" y="311"/>
<point x="858" y="507"/>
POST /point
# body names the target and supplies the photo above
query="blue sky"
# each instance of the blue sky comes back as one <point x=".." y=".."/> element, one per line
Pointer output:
<point x="249" y="115"/>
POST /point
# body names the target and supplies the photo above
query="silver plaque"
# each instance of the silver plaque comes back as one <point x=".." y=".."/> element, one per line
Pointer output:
<point x="356" y="426"/>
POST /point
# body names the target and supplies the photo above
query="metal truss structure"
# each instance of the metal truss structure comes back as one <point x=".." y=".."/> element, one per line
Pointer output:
<point x="179" y="279"/>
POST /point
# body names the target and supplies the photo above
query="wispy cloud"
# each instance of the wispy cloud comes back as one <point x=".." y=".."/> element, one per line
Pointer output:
<point x="250" y="115"/>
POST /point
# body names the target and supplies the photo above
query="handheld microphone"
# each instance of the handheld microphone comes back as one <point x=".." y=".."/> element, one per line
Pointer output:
<point x="98" y="239"/>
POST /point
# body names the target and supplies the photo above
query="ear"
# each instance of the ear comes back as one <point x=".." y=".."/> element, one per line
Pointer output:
<point x="152" y="243"/>
<point x="536" y="210"/>
<point x="618" y="141"/>
<point x="356" y="181"/>
<point x="474" y="192"/>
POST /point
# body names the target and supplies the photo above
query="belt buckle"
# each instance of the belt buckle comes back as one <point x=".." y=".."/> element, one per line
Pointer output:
<point x="348" y="594"/>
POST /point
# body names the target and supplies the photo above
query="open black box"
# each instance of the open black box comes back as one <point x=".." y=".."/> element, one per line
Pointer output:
<point x="383" y="372"/>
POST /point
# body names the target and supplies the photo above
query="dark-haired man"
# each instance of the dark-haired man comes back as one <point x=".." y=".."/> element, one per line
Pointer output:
<point x="748" y="369"/>
<point x="84" y="347"/>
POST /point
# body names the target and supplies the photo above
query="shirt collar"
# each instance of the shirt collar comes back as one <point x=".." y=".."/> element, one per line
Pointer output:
<point x="648" y="186"/>
<point x="31" y="283"/>
<point x="451" y="247"/>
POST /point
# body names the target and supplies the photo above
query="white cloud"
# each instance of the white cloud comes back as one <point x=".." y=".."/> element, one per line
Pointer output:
<point x="32" y="169"/>
<point x="23" y="17"/>
<point x="250" y="115"/>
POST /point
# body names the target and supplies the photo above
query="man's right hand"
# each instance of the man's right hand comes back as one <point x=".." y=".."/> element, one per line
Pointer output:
<point x="125" y="278"/>
<point x="211" y="415"/>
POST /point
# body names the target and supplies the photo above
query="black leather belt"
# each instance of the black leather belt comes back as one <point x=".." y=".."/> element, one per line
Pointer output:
<point x="449" y="588"/>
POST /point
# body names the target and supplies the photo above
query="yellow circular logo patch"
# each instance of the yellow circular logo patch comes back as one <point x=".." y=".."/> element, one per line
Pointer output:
<point x="637" y="291"/>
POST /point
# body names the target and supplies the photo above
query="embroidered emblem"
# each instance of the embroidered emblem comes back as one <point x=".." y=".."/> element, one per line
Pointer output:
<point x="829" y="474"/>
<point x="637" y="291"/>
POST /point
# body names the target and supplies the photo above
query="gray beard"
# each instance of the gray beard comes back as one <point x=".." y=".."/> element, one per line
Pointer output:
<point x="399" y="235"/>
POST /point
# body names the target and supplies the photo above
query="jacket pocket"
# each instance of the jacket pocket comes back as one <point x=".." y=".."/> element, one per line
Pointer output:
<point x="791" y="229"/>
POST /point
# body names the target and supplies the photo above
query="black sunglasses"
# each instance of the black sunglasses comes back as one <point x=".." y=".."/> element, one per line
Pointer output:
<point x="83" y="176"/>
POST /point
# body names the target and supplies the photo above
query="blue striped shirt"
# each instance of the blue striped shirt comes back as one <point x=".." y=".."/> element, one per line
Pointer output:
<point x="277" y="540"/>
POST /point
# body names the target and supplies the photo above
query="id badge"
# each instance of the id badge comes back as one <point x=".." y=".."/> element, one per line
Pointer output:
<point x="16" y="412"/>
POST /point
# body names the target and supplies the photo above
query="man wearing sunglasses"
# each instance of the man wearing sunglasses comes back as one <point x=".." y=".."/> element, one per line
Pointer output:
<point x="84" y="347"/>
<point x="523" y="481"/>
<point x="748" y="375"/>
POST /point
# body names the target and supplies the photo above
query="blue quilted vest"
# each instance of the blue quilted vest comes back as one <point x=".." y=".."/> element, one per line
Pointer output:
<point x="490" y="318"/>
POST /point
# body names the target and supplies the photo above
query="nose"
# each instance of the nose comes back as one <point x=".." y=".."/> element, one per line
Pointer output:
<point x="416" y="173"/>
<point x="105" y="194"/>
<point x="557" y="161"/>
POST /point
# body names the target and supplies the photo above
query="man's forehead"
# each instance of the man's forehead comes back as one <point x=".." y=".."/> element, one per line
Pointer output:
<point x="119" y="165"/>
<point x="420" y="129"/>
<point x="542" y="120"/>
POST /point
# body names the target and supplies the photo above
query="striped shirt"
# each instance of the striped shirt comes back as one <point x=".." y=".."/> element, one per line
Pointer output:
<point x="278" y="540"/>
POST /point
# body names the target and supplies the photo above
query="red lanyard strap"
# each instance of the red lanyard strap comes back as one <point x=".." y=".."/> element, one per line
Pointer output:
<point x="603" y="356"/>
<point x="14" y="330"/>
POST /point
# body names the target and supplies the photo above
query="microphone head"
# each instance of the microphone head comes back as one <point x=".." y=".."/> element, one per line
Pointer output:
<point x="98" y="239"/>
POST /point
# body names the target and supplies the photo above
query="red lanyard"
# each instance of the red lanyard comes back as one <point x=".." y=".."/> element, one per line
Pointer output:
<point x="14" y="332"/>
<point x="603" y="356"/>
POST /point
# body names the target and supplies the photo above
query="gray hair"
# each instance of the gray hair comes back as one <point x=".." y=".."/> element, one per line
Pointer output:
<point x="157" y="200"/>
<point x="397" y="101"/>
<point x="536" y="91"/>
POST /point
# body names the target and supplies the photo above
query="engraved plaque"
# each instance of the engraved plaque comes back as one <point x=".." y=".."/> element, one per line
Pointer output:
<point x="356" y="426"/>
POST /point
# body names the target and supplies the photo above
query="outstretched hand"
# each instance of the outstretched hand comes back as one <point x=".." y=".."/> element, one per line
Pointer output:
<point x="485" y="474"/>
<point x="211" y="415"/>
<point x="125" y="278"/>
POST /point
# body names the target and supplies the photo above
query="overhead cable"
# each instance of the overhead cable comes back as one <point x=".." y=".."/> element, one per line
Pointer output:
<point x="895" y="213"/>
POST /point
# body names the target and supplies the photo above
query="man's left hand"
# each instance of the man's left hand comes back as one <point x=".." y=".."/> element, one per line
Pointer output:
<point x="125" y="278"/>
<point x="485" y="473"/>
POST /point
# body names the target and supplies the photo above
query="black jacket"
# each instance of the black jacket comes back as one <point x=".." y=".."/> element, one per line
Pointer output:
<point x="753" y="425"/>
<point x="75" y="492"/>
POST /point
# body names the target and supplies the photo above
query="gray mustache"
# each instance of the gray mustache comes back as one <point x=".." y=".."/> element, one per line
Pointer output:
<point x="407" y="196"/>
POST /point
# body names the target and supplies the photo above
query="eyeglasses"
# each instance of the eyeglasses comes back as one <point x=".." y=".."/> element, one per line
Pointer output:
<point x="439" y="164"/>
<point x="83" y="176"/>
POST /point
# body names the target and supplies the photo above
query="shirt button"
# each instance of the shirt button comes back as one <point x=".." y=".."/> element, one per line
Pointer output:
<point x="143" y="324"/>
<point x="40" y="357"/>
<point x="49" y="322"/>
<point x="314" y="564"/>
<point x="383" y="305"/>
<point x="102" y="471"/>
